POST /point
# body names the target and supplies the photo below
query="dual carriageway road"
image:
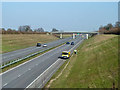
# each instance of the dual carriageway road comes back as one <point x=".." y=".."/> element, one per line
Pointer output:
<point x="24" y="74"/>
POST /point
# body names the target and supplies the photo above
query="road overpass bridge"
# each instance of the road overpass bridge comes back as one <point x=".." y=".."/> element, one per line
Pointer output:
<point x="76" y="33"/>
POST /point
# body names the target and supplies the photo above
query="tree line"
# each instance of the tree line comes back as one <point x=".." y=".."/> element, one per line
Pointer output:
<point x="26" y="29"/>
<point x="110" y="29"/>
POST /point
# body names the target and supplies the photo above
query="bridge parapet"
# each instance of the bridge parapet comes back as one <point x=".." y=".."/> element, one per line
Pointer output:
<point x="75" y="32"/>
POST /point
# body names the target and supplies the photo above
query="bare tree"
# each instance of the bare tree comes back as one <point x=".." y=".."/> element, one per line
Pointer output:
<point x="108" y="26"/>
<point x="117" y="24"/>
<point x="25" y="28"/>
<point x="9" y="31"/>
<point x="54" y="30"/>
<point x="39" y="30"/>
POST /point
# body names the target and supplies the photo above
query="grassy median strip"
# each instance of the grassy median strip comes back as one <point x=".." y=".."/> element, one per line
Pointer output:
<point x="20" y="62"/>
<point x="94" y="66"/>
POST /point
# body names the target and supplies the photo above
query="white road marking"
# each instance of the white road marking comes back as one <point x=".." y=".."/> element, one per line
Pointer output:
<point x="5" y="84"/>
<point x="42" y="73"/>
<point x="29" y="69"/>
<point x="19" y="75"/>
<point x="36" y="64"/>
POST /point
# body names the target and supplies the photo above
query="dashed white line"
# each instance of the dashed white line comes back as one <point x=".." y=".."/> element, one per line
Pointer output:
<point x="19" y="75"/>
<point x="5" y="84"/>
<point x="29" y="69"/>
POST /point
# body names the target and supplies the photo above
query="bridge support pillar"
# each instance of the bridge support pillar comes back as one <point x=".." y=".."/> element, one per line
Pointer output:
<point x="86" y="36"/>
<point x="61" y="36"/>
<point x="73" y="36"/>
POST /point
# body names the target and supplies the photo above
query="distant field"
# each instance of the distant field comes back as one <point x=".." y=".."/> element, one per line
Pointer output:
<point x="67" y="35"/>
<point x="64" y="35"/>
<point x="11" y="42"/>
<point x="95" y="65"/>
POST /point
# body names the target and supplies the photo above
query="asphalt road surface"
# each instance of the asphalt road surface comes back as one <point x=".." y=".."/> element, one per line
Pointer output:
<point x="24" y="52"/>
<point x="22" y="75"/>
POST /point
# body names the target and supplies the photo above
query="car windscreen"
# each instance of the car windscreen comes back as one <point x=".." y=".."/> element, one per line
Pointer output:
<point x="38" y="44"/>
<point x="65" y="53"/>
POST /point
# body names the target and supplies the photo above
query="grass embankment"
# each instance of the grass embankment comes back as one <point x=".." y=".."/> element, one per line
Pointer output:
<point x="11" y="42"/>
<point x="95" y="65"/>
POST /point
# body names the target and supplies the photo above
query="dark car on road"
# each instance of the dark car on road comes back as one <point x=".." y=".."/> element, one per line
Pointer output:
<point x="67" y="42"/>
<point x="72" y="43"/>
<point x="38" y="44"/>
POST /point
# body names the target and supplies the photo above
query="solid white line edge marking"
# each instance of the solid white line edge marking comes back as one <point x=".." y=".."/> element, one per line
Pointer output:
<point x="43" y="73"/>
<point x="19" y="75"/>
<point x="5" y="84"/>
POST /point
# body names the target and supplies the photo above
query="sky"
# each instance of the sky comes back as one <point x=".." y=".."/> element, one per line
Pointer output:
<point x="65" y="16"/>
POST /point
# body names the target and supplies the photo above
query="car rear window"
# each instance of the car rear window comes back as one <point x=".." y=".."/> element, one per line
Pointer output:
<point x="65" y="53"/>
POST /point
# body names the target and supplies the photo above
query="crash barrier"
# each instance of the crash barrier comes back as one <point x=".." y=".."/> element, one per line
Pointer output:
<point x="18" y="60"/>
